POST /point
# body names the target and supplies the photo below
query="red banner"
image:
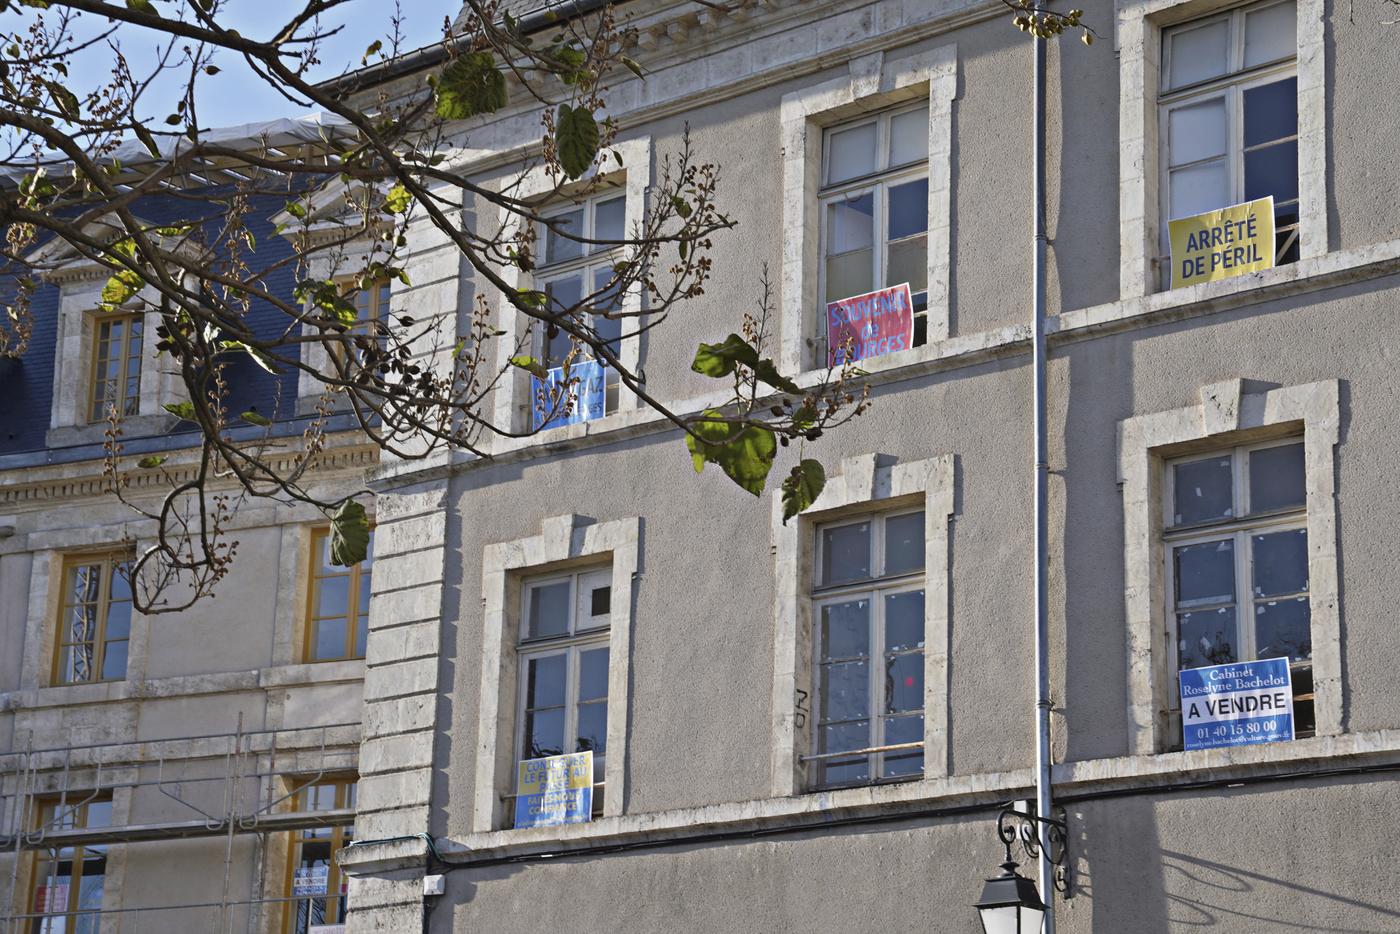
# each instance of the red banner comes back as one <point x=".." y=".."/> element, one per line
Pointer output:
<point x="869" y="325"/>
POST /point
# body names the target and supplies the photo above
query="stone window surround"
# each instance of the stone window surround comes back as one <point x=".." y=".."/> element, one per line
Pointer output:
<point x="564" y="542"/>
<point x="80" y="292"/>
<point x="866" y="483"/>
<point x="635" y="174"/>
<point x="75" y="788"/>
<point x="1139" y="42"/>
<point x="872" y="84"/>
<point x="1226" y="415"/>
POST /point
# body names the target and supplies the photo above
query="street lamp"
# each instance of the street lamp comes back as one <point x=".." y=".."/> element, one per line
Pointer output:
<point x="1010" y="903"/>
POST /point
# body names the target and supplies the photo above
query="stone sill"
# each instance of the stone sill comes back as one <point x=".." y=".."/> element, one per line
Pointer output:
<point x="1306" y="275"/>
<point x="106" y="692"/>
<point x="1071" y="778"/>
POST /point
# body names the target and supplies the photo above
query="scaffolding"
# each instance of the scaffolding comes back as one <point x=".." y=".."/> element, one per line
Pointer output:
<point x="224" y="785"/>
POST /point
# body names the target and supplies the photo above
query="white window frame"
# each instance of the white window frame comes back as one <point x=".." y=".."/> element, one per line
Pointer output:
<point x="871" y="86"/>
<point x="1238" y="530"/>
<point x="1226" y="416"/>
<point x="1231" y="87"/>
<point x="878" y="184"/>
<point x="1138" y="38"/>
<point x="512" y="396"/>
<point x="565" y="544"/>
<point x="874" y="589"/>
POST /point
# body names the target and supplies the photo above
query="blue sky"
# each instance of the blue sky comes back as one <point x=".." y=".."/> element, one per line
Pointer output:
<point x="236" y="95"/>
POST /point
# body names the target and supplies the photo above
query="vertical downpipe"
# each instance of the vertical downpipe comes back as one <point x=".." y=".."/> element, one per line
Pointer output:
<point x="1042" y="473"/>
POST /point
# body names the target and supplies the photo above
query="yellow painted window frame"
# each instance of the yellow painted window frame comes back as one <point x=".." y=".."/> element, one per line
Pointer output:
<point x="97" y="408"/>
<point x="44" y="813"/>
<point x="352" y="599"/>
<point x="108" y="562"/>
<point x="340" y="836"/>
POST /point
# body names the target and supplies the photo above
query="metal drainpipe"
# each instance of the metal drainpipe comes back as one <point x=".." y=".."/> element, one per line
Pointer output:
<point x="1042" y="473"/>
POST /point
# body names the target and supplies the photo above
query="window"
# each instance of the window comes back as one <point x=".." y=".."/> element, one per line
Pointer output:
<point x="94" y="623"/>
<point x="874" y="208"/>
<point x="116" y="367"/>
<point x="314" y="879"/>
<point x="571" y="272"/>
<point x="1236" y="540"/>
<point x="68" y="882"/>
<point x="338" y="611"/>
<point x="564" y="662"/>
<point x="1229" y="117"/>
<point x="868" y="610"/>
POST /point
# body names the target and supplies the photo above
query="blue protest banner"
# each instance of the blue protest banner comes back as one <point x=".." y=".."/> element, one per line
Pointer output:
<point x="587" y="395"/>
<point x="1235" y="705"/>
<point x="555" y="790"/>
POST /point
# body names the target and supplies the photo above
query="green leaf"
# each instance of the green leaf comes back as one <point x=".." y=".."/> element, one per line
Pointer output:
<point x="632" y="66"/>
<point x="65" y="100"/>
<point x="151" y="461"/>
<point x="744" y="453"/>
<point x="720" y="360"/>
<point x="373" y="48"/>
<point x="325" y="295"/>
<point x="349" y="535"/>
<point x="767" y="371"/>
<point x="260" y="358"/>
<point x="141" y="6"/>
<point x="532" y="365"/>
<point x="184" y="410"/>
<point x="173" y="120"/>
<point x="682" y="206"/>
<point x="120" y="288"/>
<point x="296" y="209"/>
<point x="802" y="487"/>
<point x="149" y="141"/>
<point x="398" y="199"/>
<point x="469" y="86"/>
<point x="212" y="70"/>
<point x="253" y="418"/>
<point x="576" y="139"/>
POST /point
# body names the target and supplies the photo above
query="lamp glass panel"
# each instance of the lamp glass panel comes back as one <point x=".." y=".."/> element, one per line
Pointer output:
<point x="1002" y="920"/>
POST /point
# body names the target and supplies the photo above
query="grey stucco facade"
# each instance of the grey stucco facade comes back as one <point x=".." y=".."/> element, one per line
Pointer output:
<point x="718" y="826"/>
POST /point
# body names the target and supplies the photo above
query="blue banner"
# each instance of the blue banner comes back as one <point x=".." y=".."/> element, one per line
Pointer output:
<point x="1237" y="705"/>
<point x="555" y="790"/>
<point x="587" y="395"/>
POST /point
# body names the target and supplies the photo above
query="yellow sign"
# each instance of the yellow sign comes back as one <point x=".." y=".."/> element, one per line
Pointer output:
<point x="555" y="790"/>
<point x="1219" y="244"/>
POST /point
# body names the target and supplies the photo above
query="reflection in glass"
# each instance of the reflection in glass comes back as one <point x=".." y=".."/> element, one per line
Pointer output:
<point x="904" y="543"/>
<point x="851" y="153"/>
<point x="593" y="729"/>
<point x="1206" y="638"/>
<point x="845" y="630"/>
<point x="549" y="609"/>
<point x="845" y="688"/>
<point x="1276" y="478"/>
<point x="904" y="621"/>
<point x="1205" y="573"/>
<point x="904" y="682"/>
<point x="544" y="681"/>
<point x="1280" y="562"/>
<point x="846" y="553"/>
<point x="1203" y="491"/>
<point x="1283" y="628"/>
<point x="593" y="674"/>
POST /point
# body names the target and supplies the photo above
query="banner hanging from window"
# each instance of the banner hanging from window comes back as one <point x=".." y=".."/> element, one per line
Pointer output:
<point x="869" y="325"/>
<point x="587" y="395"/>
<point x="555" y="790"/>
<point x="1237" y="705"/>
<point x="1219" y="244"/>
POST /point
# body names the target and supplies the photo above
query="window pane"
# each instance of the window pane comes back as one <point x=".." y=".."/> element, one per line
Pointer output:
<point x="332" y="596"/>
<point x="850" y="153"/>
<point x="118" y="620"/>
<point x="600" y="601"/>
<point x="1272" y="171"/>
<point x="909" y="137"/>
<point x="119" y="588"/>
<point x="592" y="730"/>
<point x="904" y="543"/>
<point x="1199" y="53"/>
<point x="593" y="674"/>
<point x="114" y="661"/>
<point x="1198" y="189"/>
<point x="1270" y="34"/>
<point x="1280" y="563"/>
<point x="557" y="246"/>
<point x="564" y="293"/>
<point x="908" y="262"/>
<point x="544" y="681"/>
<point x="594" y="599"/>
<point x="904" y="682"/>
<point x="1205" y="573"/>
<point x="850" y="274"/>
<point x="361" y="634"/>
<point x="845" y="690"/>
<point x="904" y="621"/>
<point x="330" y="639"/>
<point x="844" y="737"/>
<point x="610" y="219"/>
<point x="908" y="209"/>
<point x="845" y="630"/>
<point x="846" y="553"/>
<point x="845" y="772"/>
<point x="1283" y="628"/>
<point x="549" y="609"/>
<point x="1276" y="478"/>
<point x="1206" y="638"/>
<point x="1197" y="132"/>
<point x="899" y="730"/>
<point x="1270" y="112"/>
<point x="850" y="224"/>
<point x="1203" y="491"/>
<point x="544" y="733"/>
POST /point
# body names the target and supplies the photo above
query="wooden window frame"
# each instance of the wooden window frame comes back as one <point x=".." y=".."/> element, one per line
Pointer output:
<point x="72" y="912"/>
<point x="339" y="836"/>
<point x="108" y="562"/>
<point x="122" y="401"/>
<point x="319" y="536"/>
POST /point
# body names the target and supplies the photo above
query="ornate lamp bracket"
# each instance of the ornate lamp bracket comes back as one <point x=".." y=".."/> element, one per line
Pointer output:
<point x="1030" y="830"/>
